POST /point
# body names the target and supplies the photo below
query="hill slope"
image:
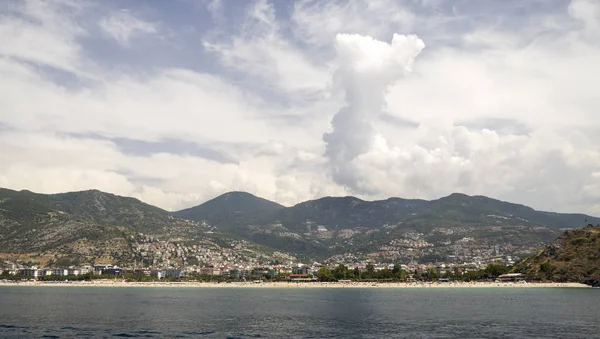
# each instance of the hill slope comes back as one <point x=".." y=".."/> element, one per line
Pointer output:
<point x="454" y="228"/>
<point x="236" y="210"/>
<point x="453" y="210"/>
<point x="93" y="226"/>
<point x="337" y="225"/>
<point x="572" y="257"/>
<point x="31" y="221"/>
<point x="249" y="217"/>
<point x="348" y="212"/>
<point x="231" y="209"/>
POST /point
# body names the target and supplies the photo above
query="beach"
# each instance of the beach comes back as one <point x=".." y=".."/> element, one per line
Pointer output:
<point x="191" y="284"/>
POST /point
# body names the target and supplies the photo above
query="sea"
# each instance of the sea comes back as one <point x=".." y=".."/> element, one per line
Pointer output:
<point x="162" y="312"/>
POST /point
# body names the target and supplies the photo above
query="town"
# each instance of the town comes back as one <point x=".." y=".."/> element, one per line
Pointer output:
<point x="362" y="271"/>
<point x="150" y="257"/>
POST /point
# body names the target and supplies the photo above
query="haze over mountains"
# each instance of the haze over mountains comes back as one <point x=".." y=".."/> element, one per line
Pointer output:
<point x="93" y="224"/>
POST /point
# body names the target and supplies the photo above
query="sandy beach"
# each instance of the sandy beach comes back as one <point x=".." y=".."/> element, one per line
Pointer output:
<point x="108" y="283"/>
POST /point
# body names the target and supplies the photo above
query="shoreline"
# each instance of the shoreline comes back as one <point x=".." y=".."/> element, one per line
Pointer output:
<point x="398" y="285"/>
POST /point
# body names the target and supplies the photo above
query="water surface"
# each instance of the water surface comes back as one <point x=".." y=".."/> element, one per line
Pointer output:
<point x="112" y="312"/>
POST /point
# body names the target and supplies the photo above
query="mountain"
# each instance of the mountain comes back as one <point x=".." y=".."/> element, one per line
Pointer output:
<point x="249" y="217"/>
<point x="453" y="210"/>
<point x="40" y="221"/>
<point x="335" y="225"/>
<point x="475" y="209"/>
<point x="92" y="226"/>
<point x="348" y="212"/>
<point x="232" y="209"/>
<point x="96" y="226"/>
<point x="572" y="257"/>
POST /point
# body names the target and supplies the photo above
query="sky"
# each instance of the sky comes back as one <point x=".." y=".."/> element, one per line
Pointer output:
<point x="176" y="102"/>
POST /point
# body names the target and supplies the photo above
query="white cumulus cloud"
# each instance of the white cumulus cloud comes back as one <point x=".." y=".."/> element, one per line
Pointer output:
<point x="366" y="67"/>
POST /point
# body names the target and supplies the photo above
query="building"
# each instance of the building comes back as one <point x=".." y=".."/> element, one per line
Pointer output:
<point x="142" y="272"/>
<point x="73" y="271"/>
<point x="300" y="270"/>
<point x="86" y="269"/>
<point x="234" y="273"/>
<point x="113" y="271"/>
<point x="174" y="273"/>
<point x="301" y="277"/>
<point x="101" y="269"/>
<point x="511" y="277"/>
<point x="44" y="272"/>
<point x="60" y="272"/>
<point x="210" y="271"/>
<point x="29" y="272"/>
<point x="158" y="273"/>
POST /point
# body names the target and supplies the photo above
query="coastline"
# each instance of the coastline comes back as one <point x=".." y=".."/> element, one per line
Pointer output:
<point x="398" y="285"/>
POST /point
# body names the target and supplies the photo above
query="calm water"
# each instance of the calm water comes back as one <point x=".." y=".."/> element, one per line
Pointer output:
<point x="96" y="312"/>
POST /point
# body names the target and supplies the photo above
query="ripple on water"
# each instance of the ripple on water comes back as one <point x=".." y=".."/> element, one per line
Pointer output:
<point x="311" y="313"/>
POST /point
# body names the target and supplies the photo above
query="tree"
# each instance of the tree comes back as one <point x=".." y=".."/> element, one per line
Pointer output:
<point x="386" y="274"/>
<point x="495" y="270"/>
<point x="401" y="275"/>
<point x="547" y="269"/>
<point x="324" y="274"/>
<point x="369" y="271"/>
<point x="340" y="272"/>
<point x="356" y="273"/>
<point x="432" y="274"/>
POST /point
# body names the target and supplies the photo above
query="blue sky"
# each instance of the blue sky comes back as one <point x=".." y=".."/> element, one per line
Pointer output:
<point x="175" y="102"/>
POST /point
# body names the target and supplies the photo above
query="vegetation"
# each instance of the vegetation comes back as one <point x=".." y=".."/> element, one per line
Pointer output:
<point x="264" y="222"/>
<point x="80" y="227"/>
<point x="231" y="210"/>
<point x="573" y="257"/>
<point x="60" y="230"/>
<point x="341" y="272"/>
<point x="324" y="274"/>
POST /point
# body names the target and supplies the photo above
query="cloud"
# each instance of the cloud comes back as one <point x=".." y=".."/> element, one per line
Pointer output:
<point x="123" y="26"/>
<point x="44" y="33"/>
<point x="129" y="146"/>
<point x="366" y="67"/>
<point x="318" y="22"/>
<point x="171" y="146"/>
<point x="499" y="125"/>
<point x="292" y="101"/>
<point x="215" y="8"/>
<point x="588" y="12"/>
<point x="259" y="50"/>
<point x="163" y="135"/>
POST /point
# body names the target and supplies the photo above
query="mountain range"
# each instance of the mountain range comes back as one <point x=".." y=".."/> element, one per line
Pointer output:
<point x="104" y="225"/>
<point x="235" y="209"/>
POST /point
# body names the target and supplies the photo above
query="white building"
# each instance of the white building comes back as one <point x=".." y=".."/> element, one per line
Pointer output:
<point x="60" y="272"/>
<point x="73" y="271"/>
<point x="30" y="272"/>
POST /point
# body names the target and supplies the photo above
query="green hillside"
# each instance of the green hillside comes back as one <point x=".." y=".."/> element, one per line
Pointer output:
<point x="572" y="257"/>
<point x="457" y="227"/>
